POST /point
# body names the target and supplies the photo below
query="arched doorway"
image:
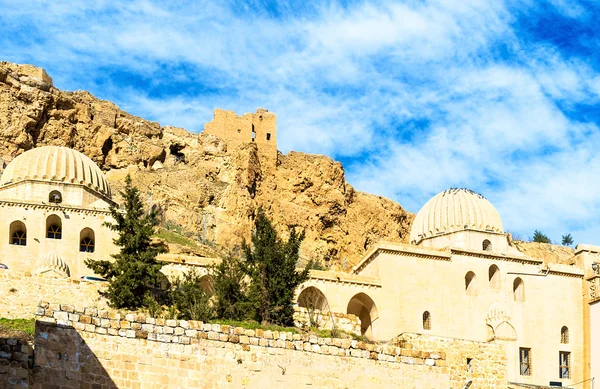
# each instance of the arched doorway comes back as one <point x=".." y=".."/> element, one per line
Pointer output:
<point x="313" y="298"/>
<point x="364" y="307"/>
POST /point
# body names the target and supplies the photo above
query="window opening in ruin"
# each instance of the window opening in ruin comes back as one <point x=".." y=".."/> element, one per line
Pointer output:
<point x="525" y="361"/>
<point x="518" y="290"/>
<point x="471" y="284"/>
<point x="487" y="245"/>
<point x="268" y="136"/>
<point x="239" y="131"/>
<point x="565" y="364"/>
<point x="19" y="238"/>
<point x="54" y="232"/>
<point x="86" y="245"/>
<point x="470" y="365"/>
<point x="253" y="133"/>
<point x="564" y="335"/>
<point x="426" y="320"/>
<point x="55" y="197"/>
<point x="494" y="277"/>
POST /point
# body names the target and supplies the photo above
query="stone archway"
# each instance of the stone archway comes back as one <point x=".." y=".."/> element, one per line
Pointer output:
<point x="313" y="298"/>
<point x="364" y="307"/>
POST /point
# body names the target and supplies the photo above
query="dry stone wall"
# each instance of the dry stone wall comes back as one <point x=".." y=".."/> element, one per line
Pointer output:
<point x="305" y="318"/>
<point x="105" y="349"/>
<point x="22" y="292"/>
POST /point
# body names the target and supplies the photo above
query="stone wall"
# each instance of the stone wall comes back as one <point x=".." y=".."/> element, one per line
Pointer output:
<point x="78" y="347"/>
<point x="16" y="361"/>
<point x="22" y="292"/>
<point x="304" y="318"/>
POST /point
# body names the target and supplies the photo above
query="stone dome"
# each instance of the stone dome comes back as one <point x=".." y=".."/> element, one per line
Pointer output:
<point x="52" y="262"/>
<point x="56" y="164"/>
<point x="454" y="210"/>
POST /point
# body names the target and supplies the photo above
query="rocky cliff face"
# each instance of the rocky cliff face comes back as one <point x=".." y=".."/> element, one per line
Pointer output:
<point x="204" y="185"/>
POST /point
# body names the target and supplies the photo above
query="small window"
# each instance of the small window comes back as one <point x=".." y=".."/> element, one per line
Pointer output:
<point x="471" y="284"/>
<point x="525" y="361"/>
<point x="253" y="133"/>
<point x="55" y="197"/>
<point x="564" y="335"/>
<point x="53" y="227"/>
<point x="54" y="232"/>
<point x="518" y="290"/>
<point x="470" y="365"/>
<point x="19" y="238"/>
<point x="494" y="277"/>
<point x="487" y="245"/>
<point x="426" y="320"/>
<point x="86" y="245"/>
<point x="18" y="233"/>
<point x="268" y="136"/>
<point x="86" y="240"/>
<point x="565" y="364"/>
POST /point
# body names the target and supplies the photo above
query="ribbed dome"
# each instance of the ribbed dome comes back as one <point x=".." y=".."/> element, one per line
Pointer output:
<point x="52" y="262"/>
<point x="55" y="163"/>
<point x="455" y="210"/>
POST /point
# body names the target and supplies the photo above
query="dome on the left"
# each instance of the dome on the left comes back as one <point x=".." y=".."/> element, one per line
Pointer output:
<point x="56" y="164"/>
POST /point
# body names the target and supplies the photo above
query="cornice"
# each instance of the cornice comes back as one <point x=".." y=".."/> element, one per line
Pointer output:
<point x="53" y="207"/>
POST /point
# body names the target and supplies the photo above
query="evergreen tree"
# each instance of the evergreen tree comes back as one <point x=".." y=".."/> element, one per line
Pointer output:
<point x="271" y="266"/>
<point x="230" y="285"/>
<point x="190" y="299"/>
<point x="539" y="237"/>
<point x="567" y="240"/>
<point x="135" y="270"/>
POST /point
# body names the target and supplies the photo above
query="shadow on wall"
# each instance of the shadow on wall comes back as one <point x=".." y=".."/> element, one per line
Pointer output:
<point x="16" y="360"/>
<point x="63" y="359"/>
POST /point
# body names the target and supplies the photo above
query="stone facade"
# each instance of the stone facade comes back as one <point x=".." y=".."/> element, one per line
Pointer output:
<point x="75" y="348"/>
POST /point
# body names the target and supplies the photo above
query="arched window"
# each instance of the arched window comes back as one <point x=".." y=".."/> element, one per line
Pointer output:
<point x="487" y="245"/>
<point x="364" y="307"/>
<point x="55" y="197"/>
<point x="18" y="233"/>
<point x="426" y="320"/>
<point x="53" y="227"/>
<point x="471" y="284"/>
<point x="494" y="277"/>
<point x="518" y="289"/>
<point x="564" y="335"/>
<point x="312" y="298"/>
<point x="87" y="240"/>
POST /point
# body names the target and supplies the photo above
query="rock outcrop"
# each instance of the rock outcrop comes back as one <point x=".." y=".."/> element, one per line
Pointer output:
<point x="204" y="185"/>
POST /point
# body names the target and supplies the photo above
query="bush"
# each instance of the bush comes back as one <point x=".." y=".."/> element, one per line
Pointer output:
<point x="190" y="300"/>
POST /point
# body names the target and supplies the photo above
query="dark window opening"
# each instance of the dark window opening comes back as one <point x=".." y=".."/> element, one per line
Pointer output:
<point x="470" y="365"/>
<point x="487" y="245"/>
<point x="54" y="232"/>
<point x="525" y="361"/>
<point x="426" y="320"/>
<point x="268" y="136"/>
<point x="55" y="197"/>
<point x="86" y="245"/>
<point x="564" y="335"/>
<point x="19" y="238"/>
<point x="565" y="364"/>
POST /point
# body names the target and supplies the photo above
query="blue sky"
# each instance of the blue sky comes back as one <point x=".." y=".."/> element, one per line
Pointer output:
<point x="413" y="97"/>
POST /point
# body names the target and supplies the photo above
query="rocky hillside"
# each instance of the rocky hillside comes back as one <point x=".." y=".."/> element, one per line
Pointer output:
<point x="204" y="186"/>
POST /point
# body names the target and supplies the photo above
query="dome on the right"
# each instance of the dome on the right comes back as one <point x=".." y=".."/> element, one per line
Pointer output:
<point x="455" y="210"/>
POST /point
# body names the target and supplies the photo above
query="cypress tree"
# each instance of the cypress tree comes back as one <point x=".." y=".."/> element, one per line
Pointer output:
<point x="271" y="266"/>
<point x="135" y="271"/>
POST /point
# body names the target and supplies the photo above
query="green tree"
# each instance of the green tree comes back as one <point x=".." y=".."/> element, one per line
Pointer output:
<point x="135" y="271"/>
<point x="271" y="267"/>
<point x="539" y="237"/>
<point x="567" y="240"/>
<point x="190" y="299"/>
<point x="231" y="287"/>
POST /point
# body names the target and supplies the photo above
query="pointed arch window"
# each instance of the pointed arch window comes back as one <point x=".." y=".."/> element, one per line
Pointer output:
<point x="471" y="284"/>
<point x="518" y="289"/>
<point x="494" y="277"/>
<point x="426" y="320"/>
<point x="487" y="245"/>
<point x="55" y="197"/>
<point x="53" y="227"/>
<point x="18" y="233"/>
<point x="564" y="335"/>
<point x="87" y="241"/>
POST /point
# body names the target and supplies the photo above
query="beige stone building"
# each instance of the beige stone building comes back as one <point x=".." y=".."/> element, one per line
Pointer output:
<point x="53" y="203"/>
<point x="461" y="278"/>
